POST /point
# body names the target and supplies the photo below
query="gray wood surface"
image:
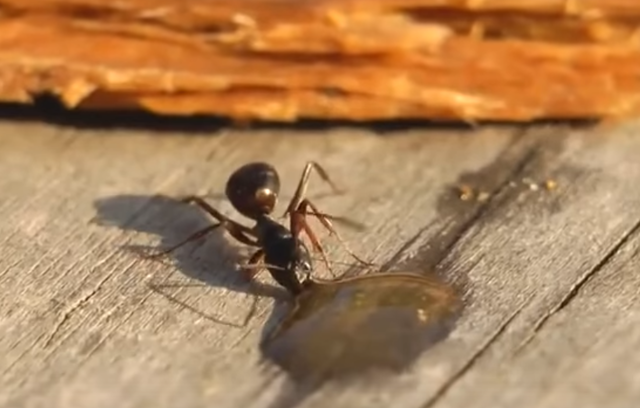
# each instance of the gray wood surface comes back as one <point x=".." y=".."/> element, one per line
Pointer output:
<point x="550" y="275"/>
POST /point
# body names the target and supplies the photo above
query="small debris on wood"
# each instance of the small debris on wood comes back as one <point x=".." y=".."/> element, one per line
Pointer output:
<point x="468" y="193"/>
<point x="551" y="184"/>
<point x="465" y="192"/>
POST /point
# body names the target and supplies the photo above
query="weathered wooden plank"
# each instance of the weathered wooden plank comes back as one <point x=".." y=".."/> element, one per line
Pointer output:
<point x="549" y="274"/>
<point x="83" y="328"/>
<point x="524" y="260"/>
<point x="593" y="340"/>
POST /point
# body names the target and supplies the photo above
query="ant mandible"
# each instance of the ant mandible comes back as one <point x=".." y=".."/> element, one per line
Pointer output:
<point x="253" y="191"/>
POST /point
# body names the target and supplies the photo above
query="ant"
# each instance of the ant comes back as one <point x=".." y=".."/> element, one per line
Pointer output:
<point x="253" y="191"/>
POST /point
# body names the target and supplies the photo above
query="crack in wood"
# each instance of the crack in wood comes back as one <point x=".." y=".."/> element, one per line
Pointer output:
<point x="62" y="318"/>
<point x="121" y="322"/>
<point x="471" y="362"/>
<point x="74" y="307"/>
<point x="443" y="245"/>
<point x="91" y="351"/>
<point x="494" y="201"/>
<point x="398" y="254"/>
<point x="103" y="316"/>
<point x="66" y="314"/>
<point x="577" y="287"/>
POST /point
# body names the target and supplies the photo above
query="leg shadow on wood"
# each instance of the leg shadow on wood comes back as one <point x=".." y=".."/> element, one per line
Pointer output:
<point x="211" y="258"/>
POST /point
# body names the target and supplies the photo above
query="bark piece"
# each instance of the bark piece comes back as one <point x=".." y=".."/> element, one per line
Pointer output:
<point x="284" y="60"/>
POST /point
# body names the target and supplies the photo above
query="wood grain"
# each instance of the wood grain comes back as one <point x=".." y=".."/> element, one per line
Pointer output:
<point x="549" y="275"/>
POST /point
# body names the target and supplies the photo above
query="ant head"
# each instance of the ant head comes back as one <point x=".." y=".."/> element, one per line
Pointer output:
<point x="253" y="189"/>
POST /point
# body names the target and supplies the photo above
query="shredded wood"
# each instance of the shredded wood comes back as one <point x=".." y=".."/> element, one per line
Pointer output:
<point x="469" y="60"/>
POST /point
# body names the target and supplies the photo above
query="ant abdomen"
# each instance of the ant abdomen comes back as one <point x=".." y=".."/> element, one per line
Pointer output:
<point x="253" y="189"/>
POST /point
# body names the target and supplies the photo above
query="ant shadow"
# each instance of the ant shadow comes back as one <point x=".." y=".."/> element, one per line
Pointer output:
<point x="211" y="260"/>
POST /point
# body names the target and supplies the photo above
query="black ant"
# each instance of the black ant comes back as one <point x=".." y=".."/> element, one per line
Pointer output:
<point x="253" y="191"/>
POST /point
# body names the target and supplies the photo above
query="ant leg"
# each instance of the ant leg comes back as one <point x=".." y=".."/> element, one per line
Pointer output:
<point x="237" y="230"/>
<point x="254" y="266"/>
<point x="301" y="190"/>
<point x="327" y="224"/>
<point x="299" y="223"/>
<point x="198" y="234"/>
<point x="347" y="222"/>
<point x="251" y="269"/>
